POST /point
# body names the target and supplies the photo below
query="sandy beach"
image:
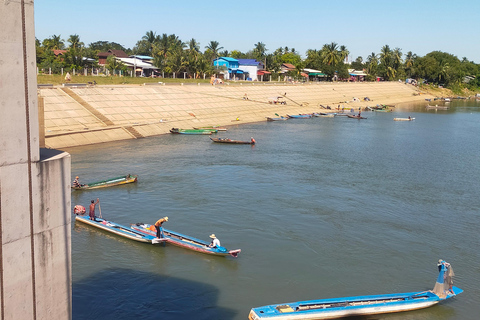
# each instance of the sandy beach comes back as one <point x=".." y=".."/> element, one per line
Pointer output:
<point x="74" y="116"/>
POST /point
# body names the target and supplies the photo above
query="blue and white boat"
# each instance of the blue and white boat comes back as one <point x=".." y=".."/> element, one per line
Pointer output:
<point x="362" y="305"/>
<point x="116" y="228"/>
<point x="300" y="116"/>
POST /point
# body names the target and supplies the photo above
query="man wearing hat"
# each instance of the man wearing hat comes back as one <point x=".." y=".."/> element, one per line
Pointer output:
<point x="76" y="184"/>
<point x="215" y="242"/>
<point x="158" y="226"/>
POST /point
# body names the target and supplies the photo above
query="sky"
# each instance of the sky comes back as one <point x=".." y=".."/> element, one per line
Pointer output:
<point x="364" y="27"/>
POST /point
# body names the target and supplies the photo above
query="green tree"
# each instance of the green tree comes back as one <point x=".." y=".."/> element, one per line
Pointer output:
<point x="214" y="47"/>
<point x="330" y="54"/>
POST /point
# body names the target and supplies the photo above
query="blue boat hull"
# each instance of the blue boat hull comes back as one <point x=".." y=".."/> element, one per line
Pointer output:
<point x="186" y="242"/>
<point x="115" y="228"/>
<point x="349" y="306"/>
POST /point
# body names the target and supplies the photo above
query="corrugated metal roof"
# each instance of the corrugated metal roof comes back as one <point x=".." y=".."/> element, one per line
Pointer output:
<point x="249" y="62"/>
<point x="228" y="59"/>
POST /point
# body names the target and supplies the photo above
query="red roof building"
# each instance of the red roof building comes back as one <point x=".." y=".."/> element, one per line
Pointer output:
<point x="102" y="56"/>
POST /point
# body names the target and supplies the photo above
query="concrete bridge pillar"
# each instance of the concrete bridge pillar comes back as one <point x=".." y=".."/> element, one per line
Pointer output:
<point x="35" y="218"/>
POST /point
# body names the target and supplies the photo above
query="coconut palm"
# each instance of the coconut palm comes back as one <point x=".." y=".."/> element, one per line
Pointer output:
<point x="214" y="46"/>
<point x="151" y="38"/>
<point x="344" y="53"/>
<point x="330" y="54"/>
<point x="74" y="41"/>
<point x="260" y="51"/>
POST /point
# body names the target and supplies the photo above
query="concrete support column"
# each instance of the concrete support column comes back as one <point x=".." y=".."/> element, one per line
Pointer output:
<point x="35" y="218"/>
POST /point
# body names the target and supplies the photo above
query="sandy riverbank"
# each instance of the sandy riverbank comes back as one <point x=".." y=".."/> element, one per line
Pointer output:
<point x="89" y="115"/>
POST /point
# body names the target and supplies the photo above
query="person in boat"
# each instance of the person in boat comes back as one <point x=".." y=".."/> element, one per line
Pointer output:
<point x="76" y="183"/>
<point x="92" y="209"/>
<point x="448" y="273"/>
<point x="252" y="140"/>
<point x="409" y="118"/>
<point x="215" y="242"/>
<point x="158" y="226"/>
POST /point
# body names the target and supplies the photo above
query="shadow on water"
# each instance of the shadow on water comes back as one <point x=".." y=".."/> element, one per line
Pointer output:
<point x="129" y="294"/>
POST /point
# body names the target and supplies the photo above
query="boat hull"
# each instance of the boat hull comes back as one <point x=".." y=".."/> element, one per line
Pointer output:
<point x="350" y="306"/>
<point x="299" y="116"/>
<point x="355" y="117"/>
<point x="186" y="242"/>
<point x="116" y="228"/>
<point x="192" y="131"/>
<point x="223" y="140"/>
<point x="276" y="119"/>
<point x="108" y="183"/>
<point x="403" y="119"/>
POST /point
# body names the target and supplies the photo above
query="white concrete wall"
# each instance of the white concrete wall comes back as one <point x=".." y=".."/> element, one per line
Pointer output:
<point x="35" y="266"/>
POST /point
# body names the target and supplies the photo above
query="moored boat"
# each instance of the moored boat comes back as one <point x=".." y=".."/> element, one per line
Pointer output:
<point x="107" y="183"/>
<point x="226" y="140"/>
<point x="184" y="241"/>
<point x="403" y="119"/>
<point x="356" y="117"/>
<point x="300" y="116"/>
<point x="324" y="115"/>
<point x="276" y="119"/>
<point x="363" y="305"/>
<point x="214" y="129"/>
<point x="116" y="228"/>
<point x="192" y="131"/>
<point x="437" y="107"/>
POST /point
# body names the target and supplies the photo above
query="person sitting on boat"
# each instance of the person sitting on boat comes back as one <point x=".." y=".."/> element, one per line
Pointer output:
<point x="158" y="226"/>
<point x="215" y="242"/>
<point x="92" y="209"/>
<point x="76" y="183"/>
<point x="252" y="140"/>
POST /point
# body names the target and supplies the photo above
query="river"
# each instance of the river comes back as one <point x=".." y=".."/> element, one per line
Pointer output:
<point x="321" y="208"/>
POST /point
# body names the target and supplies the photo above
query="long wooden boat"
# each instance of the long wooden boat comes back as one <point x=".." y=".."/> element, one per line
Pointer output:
<point x="226" y="140"/>
<point x="362" y="305"/>
<point x="116" y="228"/>
<point x="213" y="128"/>
<point x="324" y="115"/>
<point x="277" y="119"/>
<point x="192" y="131"/>
<point x="403" y="119"/>
<point x="299" y="116"/>
<point x="356" y="117"/>
<point x="437" y="107"/>
<point x="108" y="183"/>
<point x="184" y="241"/>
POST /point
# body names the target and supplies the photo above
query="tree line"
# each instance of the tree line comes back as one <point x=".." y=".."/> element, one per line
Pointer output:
<point x="172" y="55"/>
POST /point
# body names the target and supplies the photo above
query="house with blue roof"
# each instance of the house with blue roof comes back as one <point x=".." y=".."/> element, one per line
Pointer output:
<point x="230" y="65"/>
<point x="253" y="69"/>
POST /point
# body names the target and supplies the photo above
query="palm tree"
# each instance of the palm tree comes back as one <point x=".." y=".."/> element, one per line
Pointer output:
<point x="344" y="53"/>
<point x="193" y="46"/>
<point x="386" y="56"/>
<point x="260" y="50"/>
<point x="330" y="53"/>
<point x="409" y="60"/>
<point x="74" y="41"/>
<point x="214" y="46"/>
<point x="151" y="38"/>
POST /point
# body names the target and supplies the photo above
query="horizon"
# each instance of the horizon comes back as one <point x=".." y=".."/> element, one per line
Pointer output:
<point x="316" y="25"/>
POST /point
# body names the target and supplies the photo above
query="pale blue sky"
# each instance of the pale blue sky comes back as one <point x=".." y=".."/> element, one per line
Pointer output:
<point x="362" y="26"/>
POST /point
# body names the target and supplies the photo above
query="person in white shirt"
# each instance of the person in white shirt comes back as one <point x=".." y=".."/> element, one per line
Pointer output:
<point x="215" y="242"/>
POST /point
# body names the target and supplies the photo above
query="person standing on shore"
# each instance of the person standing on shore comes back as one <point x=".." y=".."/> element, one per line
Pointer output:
<point x="158" y="226"/>
<point x="92" y="209"/>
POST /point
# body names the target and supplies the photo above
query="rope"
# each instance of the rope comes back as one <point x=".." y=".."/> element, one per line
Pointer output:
<point x="29" y="156"/>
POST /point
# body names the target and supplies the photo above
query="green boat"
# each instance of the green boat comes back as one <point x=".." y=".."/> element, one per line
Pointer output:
<point x="193" y="131"/>
<point x="107" y="183"/>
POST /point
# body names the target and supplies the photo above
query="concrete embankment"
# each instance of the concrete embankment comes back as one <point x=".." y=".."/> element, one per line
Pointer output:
<point x="89" y="115"/>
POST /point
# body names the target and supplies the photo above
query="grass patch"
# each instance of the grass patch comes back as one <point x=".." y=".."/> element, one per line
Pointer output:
<point x="57" y="79"/>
